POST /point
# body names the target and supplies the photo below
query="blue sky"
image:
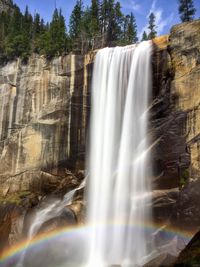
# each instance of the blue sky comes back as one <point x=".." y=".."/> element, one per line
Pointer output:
<point x="166" y="11"/>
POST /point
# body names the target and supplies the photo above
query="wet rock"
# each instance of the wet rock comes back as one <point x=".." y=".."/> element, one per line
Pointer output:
<point x="10" y="225"/>
<point x="164" y="204"/>
<point x="164" y="260"/>
<point x="66" y="219"/>
<point x="188" y="205"/>
<point x="190" y="256"/>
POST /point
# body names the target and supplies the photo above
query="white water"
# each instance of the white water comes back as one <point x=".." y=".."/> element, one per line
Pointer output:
<point x="52" y="210"/>
<point x="44" y="214"/>
<point x="119" y="191"/>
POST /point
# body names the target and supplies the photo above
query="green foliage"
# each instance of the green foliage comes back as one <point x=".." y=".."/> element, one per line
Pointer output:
<point x="94" y="18"/>
<point x="114" y="23"/>
<point x="4" y="25"/>
<point x="144" y="36"/>
<point x="17" y="42"/>
<point x="75" y="24"/>
<point x="184" y="177"/>
<point x="98" y="25"/>
<point x="15" y="198"/>
<point x="131" y="30"/>
<point x="186" y="10"/>
<point x="56" y="35"/>
<point x="152" y="26"/>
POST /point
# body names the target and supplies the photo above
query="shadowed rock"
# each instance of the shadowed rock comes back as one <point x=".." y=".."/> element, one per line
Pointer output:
<point x="190" y="256"/>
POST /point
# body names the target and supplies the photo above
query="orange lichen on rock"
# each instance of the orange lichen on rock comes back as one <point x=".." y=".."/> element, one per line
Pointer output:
<point x="161" y="41"/>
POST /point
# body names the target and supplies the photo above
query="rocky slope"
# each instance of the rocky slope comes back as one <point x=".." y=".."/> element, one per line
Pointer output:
<point x="44" y="115"/>
<point x="5" y="5"/>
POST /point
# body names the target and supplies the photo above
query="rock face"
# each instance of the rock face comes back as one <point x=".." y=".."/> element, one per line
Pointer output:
<point x="185" y="51"/>
<point x="190" y="256"/>
<point x="5" y="5"/>
<point x="175" y="122"/>
<point x="43" y="118"/>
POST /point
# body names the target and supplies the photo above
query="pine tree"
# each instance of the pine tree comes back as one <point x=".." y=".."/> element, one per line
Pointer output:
<point x="26" y="32"/>
<point x="115" y="20"/>
<point x="36" y="25"/>
<point x="104" y="16"/>
<point x="17" y="43"/>
<point x="152" y="26"/>
<point x="186" y="10"/>
<point x="94" y="17"/>
<point x="75" y="23"/>
<point x="132" y="30"/>
<point x="4" y="25"/>
<point x="144" y="36"/>
<point x="55" y="37"/>
<point x="27" y="23"/>
<point x="36" y="33"/>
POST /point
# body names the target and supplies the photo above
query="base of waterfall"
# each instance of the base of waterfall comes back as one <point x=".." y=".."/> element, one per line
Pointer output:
<point x="67" y="247"/>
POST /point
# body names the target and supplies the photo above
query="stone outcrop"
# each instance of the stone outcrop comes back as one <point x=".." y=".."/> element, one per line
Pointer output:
<point x="190" y="256"/>
<point x="175" y="123"/>
<point x="185" y="52"/>
<point x="5" y="5"/>
<point x="43" y="119"/>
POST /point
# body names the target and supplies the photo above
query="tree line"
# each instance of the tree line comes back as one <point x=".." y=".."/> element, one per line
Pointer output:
<point x="101" y="24"/>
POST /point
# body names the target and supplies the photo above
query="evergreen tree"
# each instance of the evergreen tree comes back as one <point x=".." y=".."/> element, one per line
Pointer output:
<point x="144" y="36"/>
<point x="36" y="33"/>
<point x="132" y="30"/>
<point x="186" y="10"/>
<point x="101" y="24"/>
<point x="114" y="23"/>
<point x="55" y="37"/>
<point x="26" y="31"/>
<point x="75" y="23"/>
<point x="17" y="43"/>
<point x="104" y="16"/>
<point x="152" y="26"/>
<point x="36" y="25"/>
<point x="94" y="18"/>
<point x="4" y="25"/>
<point x="15" y="25"/>
<point x="27" y="23"/>
<point x="129" y="30"/>
<point x="125" y="29"/>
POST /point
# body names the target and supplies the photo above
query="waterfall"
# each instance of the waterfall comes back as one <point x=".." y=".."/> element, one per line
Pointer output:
<point x="119" y="189"/>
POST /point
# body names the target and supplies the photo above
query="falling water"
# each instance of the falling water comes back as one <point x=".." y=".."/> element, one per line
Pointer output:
<point x="51" y="210"/>
<point x="118" y="165"/>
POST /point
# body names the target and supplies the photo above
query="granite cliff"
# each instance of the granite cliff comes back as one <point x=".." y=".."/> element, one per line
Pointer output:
<point x="43" y="119"/>
<point x="5" y="5"/>
<point x="175" y="122"/>
<point x="44" y="115"/>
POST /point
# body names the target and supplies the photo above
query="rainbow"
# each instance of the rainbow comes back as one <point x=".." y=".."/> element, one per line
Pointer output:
<point x="42" y="239"/>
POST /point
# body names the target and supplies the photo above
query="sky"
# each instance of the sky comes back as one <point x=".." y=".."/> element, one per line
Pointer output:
<point x="166" y="11"/>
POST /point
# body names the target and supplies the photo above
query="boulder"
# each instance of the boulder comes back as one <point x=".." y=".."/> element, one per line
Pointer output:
<point x="190" y="256"/>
